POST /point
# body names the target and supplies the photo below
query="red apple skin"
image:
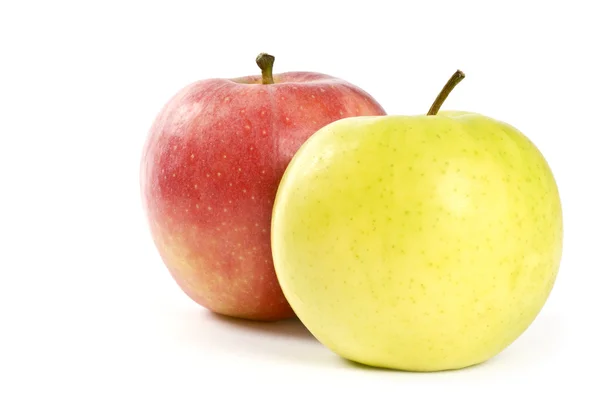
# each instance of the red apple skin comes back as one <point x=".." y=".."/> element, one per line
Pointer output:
<point x="210" y="170"/>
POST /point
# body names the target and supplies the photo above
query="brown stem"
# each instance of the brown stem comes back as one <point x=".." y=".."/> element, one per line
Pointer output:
<point x="452" y="82"/>
<point x="265" y="62"/>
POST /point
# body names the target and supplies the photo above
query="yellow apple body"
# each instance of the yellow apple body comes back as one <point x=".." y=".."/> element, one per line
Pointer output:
<point x="419" y="243"/>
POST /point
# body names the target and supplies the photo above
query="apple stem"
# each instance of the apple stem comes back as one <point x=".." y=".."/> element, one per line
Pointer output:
<point x="452" y="82"/>
<point x="265" y="62"/>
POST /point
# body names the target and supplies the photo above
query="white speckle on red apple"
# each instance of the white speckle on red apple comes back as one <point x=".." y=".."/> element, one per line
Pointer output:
<point x="224" y="156"/>
<point x="341" y="113"/>
<point x="192" y="156"/>
<point x="227" y="99"/>
<point x="209" y="208"/>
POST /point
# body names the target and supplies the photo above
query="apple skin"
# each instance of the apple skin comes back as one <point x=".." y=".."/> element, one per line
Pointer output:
<point x="209" y="173"/>
<point x="419" y="243"/>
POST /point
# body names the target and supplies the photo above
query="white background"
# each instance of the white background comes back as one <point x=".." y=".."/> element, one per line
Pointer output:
<point x="88" y="311"/>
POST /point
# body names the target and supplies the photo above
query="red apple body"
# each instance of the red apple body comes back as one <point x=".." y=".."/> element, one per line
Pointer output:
<point x="209" y="175"/>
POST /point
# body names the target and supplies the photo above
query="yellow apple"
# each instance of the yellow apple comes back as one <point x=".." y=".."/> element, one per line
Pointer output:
<point x="419" y="243"/>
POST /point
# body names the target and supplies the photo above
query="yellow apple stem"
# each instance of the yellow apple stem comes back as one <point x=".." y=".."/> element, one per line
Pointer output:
<point x="265" y="62"/>
<point x="452" y="82"/>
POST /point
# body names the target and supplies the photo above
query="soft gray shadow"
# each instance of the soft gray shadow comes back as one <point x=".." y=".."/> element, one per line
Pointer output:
<point x="284" y="341"/>
<point x="288" y="328"/>
<point x="289" y="341"/>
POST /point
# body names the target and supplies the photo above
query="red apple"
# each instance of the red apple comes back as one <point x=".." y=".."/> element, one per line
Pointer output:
<point x="209" y="174"/>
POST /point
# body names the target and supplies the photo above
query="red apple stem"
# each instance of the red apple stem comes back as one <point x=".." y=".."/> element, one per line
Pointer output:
<point x="452" y="82"/>
<point x="265" y="63"/>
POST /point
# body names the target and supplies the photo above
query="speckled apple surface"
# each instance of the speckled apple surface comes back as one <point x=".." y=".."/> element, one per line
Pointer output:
<point x="209" y="174"/>
<point x="419" y="243"/>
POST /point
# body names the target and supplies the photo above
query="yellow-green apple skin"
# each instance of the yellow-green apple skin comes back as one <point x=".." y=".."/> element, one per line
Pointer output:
<point x="418" y="243"/>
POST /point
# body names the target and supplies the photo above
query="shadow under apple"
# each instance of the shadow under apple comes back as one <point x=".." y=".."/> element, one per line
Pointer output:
<point x="290" y="341"/>
<point x="284" y="341"/>
<point x="288" y="328"/>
